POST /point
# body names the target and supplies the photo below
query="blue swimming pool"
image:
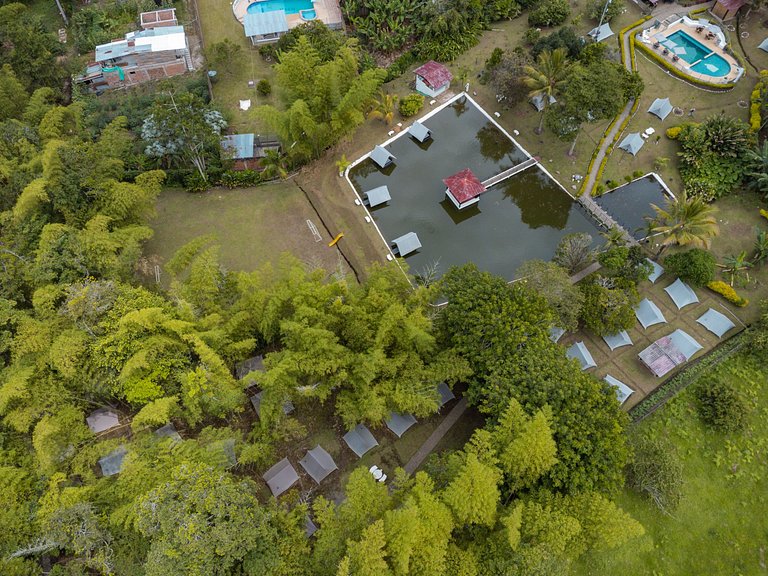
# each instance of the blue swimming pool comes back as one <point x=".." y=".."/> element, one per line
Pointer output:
<point x="290" y="6"/>
<point x="712" y="65"/>
<point x="704" y="60"/>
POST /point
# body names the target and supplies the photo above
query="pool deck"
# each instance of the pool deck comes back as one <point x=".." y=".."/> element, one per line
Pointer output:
<point x="328" y="12"/>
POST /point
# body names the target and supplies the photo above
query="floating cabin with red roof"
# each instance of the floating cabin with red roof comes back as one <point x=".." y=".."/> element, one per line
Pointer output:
<point x="464" y="188"/>
<point x="432" y="79"/>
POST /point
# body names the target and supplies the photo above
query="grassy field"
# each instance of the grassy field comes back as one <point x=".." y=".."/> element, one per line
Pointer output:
<point x="721" y="525"/>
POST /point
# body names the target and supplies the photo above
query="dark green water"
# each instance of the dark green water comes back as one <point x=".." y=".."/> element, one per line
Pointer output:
<point x="520" y="219"/>
<point x="630" y="205"/>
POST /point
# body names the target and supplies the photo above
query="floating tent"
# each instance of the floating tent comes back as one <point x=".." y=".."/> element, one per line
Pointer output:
<point x="763" y="45"/>
<point x="256" y="400"/>
<point x="168" y="431"/>
<point x="682" y="294"/>
<point x="715" y="322"/>
<point x="446" y="394"/>
<point x="281" y="477"/>
<point x="112" y="463"/>
<point x="252" y="364"/>
<point x="406" y="244"/>
<point x="382" y="157"/>
<point x="622" y="390"/>
<point x="632" y="143"/>
<point x="420" y="132"/>
<point x="668" y="352"/>
<point x="656" y="272"/>
<point x="360" y="440"/>
<point x="661" y="107"/>
<point x="538" y="101"/>
<point x="379" y="195"/>
<point x="601" y="32"/>
<point x="648" y="314"/>
<point x="102" y="420"/>
<point x="579" y="352"/>
<point x="618" y="340"/>
<point x="318" y="463"/>
<point x="399" y="423"/>
<point x="555" y="333"/>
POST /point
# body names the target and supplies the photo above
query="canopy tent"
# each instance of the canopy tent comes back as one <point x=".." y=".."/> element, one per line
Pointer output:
<point x="632" y="143"/>
<point x="656" y="272"/>
<point x="102" y="420"/>
<point x="715" y="322"/>
<point x="281" y="477"/>
<point x="763" y="45"/>
<point x="622" y="390"/>
<point x="360" y="440"/>
<point x="682" y="294"/>
<point x="168" y="431"/>
<point x="406" y="244"/>
<point x="579" y="352"/>
<point x="112" y="463"/>
<point x="399" y="423"/>
<point x="318" y="464"/>
<point x="668" y="352"/>
<point x="555" y="333"/>
<point x="257" y="398"/>
<point x="382" y="157"/>
<point x="648" y="314"/>
<point x="538" y="101"/>
<point x="618" y="340"/>
<point x="661" y="107"/>
<point x="419" y="131"/>
<point x="309" y="526"/>
<point x="446" y="394"/>
<point x="685" y="343"/>
<point x="379" y="195"/>
<point x="601" y="32"/>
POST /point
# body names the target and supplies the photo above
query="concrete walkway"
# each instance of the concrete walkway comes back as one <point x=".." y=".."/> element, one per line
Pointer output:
<point x="436" y="436"/>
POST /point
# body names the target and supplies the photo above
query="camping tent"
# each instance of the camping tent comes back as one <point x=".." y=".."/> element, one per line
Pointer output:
<point x="382" y="157"/>
<point x="763" y="45"/>
<point x="112" y="463"/>
<point x="685" y="343"/>
<point x="399" y="423"/>
<point x="661" y="107"/>
<point x="280" y="477"/>
<point x="376" y="196"/>
<point x="309" y="526"/>
<point x="622" y="390"/>
<point x="618" y="340"/>
<point x="682" y="294"/>
<point x="555" y="334"/>
<point x="360" y="440"/>
<point x="715" y="322"/>
<point x="632" y="143"/>
<point x="668" y="352"/>
<point x="538" y="101"/>
<point x="446" y="394"/>
<point x="102" y="420"/>
<point x="405" y="244"/>
<point x="656" y="272"/>
<point x="601" y="32"/>
<point x="579" y="352"/>
<point x="419" y="131"/>
<point x="318" y="463"/>
<point x="648" y="314"/>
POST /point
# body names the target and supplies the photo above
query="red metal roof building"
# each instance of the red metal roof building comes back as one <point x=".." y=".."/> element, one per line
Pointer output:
<point x="432" y="79"/>
<point x="464" y="188"/>
<point x="727" y="9"/>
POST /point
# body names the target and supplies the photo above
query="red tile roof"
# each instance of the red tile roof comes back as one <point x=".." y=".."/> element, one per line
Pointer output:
<point x="464" y="186"/>
<point x="732" y="5"/>
<point x="434" y="75"/>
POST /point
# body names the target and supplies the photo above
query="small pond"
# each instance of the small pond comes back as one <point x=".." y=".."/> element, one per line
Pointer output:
<point x="630" y="205"/>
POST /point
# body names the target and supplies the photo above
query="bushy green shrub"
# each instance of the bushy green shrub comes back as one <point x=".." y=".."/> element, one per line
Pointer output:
<point x="637" y="173"/>
<point x="655" y="471"/>
<point x="194" y="182"/>
<point x="531" y="35"/>
<point x="240" y="179"/>
<point x="494" y="59"/>
<point x="695" y="266"/>
<point x="720" y="406"/>
<point x="264" y="87"/>
<point x="550" y="13"/>
<point x="410" y="105"/>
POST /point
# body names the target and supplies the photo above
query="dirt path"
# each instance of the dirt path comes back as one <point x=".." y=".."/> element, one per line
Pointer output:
<point x="436" y="436"/>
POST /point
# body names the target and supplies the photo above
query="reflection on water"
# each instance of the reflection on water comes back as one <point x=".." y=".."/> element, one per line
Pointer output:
<point x="540" y="201"/>
<point x="630" y="205"/>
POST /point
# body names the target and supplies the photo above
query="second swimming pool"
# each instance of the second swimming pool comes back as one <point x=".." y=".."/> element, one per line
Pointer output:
<point x="289" y="6"/>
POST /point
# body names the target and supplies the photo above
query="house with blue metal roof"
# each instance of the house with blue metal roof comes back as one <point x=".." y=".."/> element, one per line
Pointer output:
<point x="264" y="27"/>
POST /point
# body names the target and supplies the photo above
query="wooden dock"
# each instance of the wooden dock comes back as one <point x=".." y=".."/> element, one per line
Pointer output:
<point x="500" y="177"/>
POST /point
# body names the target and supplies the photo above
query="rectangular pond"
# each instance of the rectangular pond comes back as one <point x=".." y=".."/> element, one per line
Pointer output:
<point x="630" y="205"/>
<point x="519" y="219"/>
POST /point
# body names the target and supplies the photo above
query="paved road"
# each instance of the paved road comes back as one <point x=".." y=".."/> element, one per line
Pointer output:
<point x="436" y="436"/>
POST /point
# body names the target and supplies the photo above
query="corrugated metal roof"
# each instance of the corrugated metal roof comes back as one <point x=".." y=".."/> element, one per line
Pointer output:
<point x="419" y="131"/>
<point x="378" y="195"/>
<point x="382" y="156"/>
<point x="241" y="146"/>
<point x="152" y="40"/>
<point x="406" y="244"/>
<point x="435" y="75"/>
<point x="262" y="23"/>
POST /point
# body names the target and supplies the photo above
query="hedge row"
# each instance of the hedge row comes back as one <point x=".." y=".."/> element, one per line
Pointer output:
<point x="682" y="75"/>
<point x="756" y="102"/>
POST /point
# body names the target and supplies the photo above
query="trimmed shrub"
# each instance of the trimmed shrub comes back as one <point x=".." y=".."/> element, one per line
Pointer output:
<point x="637" y="173"/>
<point x="673" y="133"/>
<point x="195" y="183"/>
<point x="720" y="406"/>
<point x="531" y="36"/>
<point x="695" y="266"/>
<point x="550" y="13"/>
<point x="264" y="87"/>
<point x="727" y="292"/>
<point x="410" y="105"/>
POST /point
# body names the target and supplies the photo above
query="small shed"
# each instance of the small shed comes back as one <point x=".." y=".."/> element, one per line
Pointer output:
<point x="648" y="314"/>
<point x="538" y="101"/>
<point x="463" y="188"/>
<point x="256" y="399"/>
<point x="360" y="440"/>
<point x="727" y="9"/>
<point x="168" y="431"/>
<point x="318" y="463"/>
<point x="265" y="27"/>
<point x="377" y="196"/>
<point x="446" y="394"/>
<point x="420" y="132"/>
<point x="661" y="107"/>
<point x="112" y="463"/>
<point x="622" y="390"/>
<point x="618" y="340"/>
<point x="102" y="420"/>
<point x="252" y="364"/>
<point x="632" y="143"/>
<point x="682" y="294"/>
<point x="580" y="352"/>
<point x="399" y="423"/>
<point x="657" y="271"/>
<point x="601" y="32"/>
<point x="382" y="157"/>
<point x="715" y="322"/>
<point x="406" y="244"/>
<point x="432" y="79"/>
<point x="281" y="477"/>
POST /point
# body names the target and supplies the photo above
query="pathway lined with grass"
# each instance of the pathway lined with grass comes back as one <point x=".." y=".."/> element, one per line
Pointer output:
<point x="426" y="448"/>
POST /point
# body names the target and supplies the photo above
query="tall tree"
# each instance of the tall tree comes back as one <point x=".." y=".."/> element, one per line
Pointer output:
<point x="547" y="77"/>
<point x="685" y="221"/>
<point x="554" y="284"/>
<point x="473" y="495"/>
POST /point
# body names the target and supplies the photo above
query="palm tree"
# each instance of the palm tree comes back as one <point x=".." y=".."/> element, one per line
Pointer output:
<point x="757" y="170"/>
<point x="735" y="265"/>
<point x="614" y="237"/>
<point x="273" y="164"/>
<point x="384" y="108"/>
<point x="547" y="77"/>
<point x="685" y="221"/>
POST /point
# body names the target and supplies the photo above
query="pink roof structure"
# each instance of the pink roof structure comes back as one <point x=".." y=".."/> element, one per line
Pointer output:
<point x="464" y="186"/>
<point x="732" y="5"/>
<point x="434" y="75"/>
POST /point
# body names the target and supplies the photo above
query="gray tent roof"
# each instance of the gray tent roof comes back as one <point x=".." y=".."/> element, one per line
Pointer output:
<point x="112" y="463"/>
<point x="661" y="107"/>
<point x="262" y="23"/>
<point x="555" y="333"/>
<point x="538" y="101"/>
<point x="406" y="244"/>
<point x="399" y="423"/>
<point x="715" y="322"/>
<point x="309" y="526"/>
<point x="446" y="394"/>
<point x="360" y="440"/>
<point x="579" y="352"/>
<point x="378" y="195"/>
<point x="632" y="143"/>
<point x="618" y="340"/>
<point x="280" y="477"/>
<point x="763" y="45"/>
<point x="419" y="131"/>
<point x="648" y="314"/>
<point x="256" y="399"/>
<point x="622" y="390"/>
<point x="382" y="156"/>
<point x="252" y="364"/>
<point x="656" y="272"/>
<point x="601" y="33"/>
<point x="682" y="294"/>
<point x="685" y="343"/>
<point x="101" y="420"/>
<point x="318" y="463"/>
<point x="168" y="431"/>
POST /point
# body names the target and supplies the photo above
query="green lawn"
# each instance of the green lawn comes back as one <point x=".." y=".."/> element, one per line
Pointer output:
<point x="721" y="525"/>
